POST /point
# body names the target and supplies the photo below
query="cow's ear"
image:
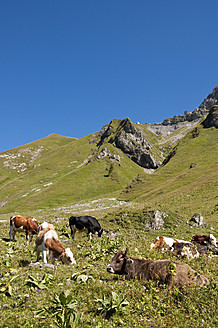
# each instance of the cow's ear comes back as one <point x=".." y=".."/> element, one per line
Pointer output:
<point x="129" y="261"/>
<point x="126" y="251"/>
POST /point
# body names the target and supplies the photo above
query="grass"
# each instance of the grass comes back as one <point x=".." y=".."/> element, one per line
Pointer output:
<point x="64" y="179"/>
<point x="179" y="187"/>
<point x="97" y="295"/>
<point x="68" y="173"/>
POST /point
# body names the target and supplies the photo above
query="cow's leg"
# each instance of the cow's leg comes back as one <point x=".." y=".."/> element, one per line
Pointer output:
<point x="38" y="254"/>
<point x="31" y="237"/>
<point x="11" y="234"/>
<point x="44" y="256"/>
<point x="51" y="256"/>
<point x="90" y="235"/>
<point x="73" y="230"/>
<point x="27" y="237"/>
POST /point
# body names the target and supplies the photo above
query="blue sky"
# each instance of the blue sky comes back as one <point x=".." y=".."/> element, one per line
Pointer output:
<point x="70" y="67"/>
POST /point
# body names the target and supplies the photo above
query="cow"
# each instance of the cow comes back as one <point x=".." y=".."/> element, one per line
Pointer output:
<point x="26" y="224"/>
<point x="85" y="223"/>
<point x="45" y="225"/>
<point x="48" y="243"/>
<point x="185" y="250"/>
<point x="161" y="241"/>
<point x="204" y="239"/>
<point x="172" y="273"/>
<point x="206" y="242"/>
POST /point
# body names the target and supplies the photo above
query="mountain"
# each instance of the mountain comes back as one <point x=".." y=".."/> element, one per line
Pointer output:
<point x="171" y="164"/>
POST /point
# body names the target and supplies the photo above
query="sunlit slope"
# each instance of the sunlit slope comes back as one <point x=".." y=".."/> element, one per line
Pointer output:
<point x="188" y="182"/>
<point x="16" y="162"/>
<point x="65" y="174"/>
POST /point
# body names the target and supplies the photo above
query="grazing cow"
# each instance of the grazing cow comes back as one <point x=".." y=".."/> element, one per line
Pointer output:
<point x="85" y="223"/>
<point x="172" y="273"/>
<point x="185" y="250"/>
<point x="47" y="242"/>
<point x="45" y="225"/>
<point x="204" y="239"/>
<point x="25" y="224"/>
<point x="160" y="242"/>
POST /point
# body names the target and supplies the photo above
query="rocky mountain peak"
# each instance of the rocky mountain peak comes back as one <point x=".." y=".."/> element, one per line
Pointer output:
<point x="198" y="113"/>
<point x="128" y="137"/>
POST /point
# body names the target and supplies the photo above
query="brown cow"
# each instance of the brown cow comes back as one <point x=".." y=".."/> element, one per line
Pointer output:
<point x="47" y="242"/>
<point x="207" y="242"/>
<point x="173" y="273"/>
<point x="204" y="239"/>
<point x="25" y="224"/>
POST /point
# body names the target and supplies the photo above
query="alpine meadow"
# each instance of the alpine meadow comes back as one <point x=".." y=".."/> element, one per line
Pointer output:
<point x="140" y="181"/>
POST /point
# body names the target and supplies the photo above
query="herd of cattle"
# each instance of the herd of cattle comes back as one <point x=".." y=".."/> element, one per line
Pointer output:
<point x="168" y="271"/>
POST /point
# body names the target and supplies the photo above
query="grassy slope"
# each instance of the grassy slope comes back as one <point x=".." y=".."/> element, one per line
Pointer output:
<point x="151" y="305"/>
<point x="178" y="187"/>
<point x="64" y="173"/>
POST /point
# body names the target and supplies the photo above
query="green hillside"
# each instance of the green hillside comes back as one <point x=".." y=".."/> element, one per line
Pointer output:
<point x="57" y="171"/>
<point x="188" y="181"/>
<point x="55" y="177"/>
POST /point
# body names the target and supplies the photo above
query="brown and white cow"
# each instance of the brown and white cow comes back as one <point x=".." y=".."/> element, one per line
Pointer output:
<point x="172" y="273"/>
<point x="47" y="242"/>
<point x="187" y="250"/>
<point x="45" y="225"/>
<point x="161" y="241"/>
<point x="26" y="224"/>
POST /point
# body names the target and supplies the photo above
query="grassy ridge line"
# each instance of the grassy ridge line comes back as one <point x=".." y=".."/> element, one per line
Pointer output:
<point x="70" y="181"/>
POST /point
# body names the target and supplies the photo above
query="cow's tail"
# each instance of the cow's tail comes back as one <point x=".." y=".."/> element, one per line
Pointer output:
<point x="11" y="220"/>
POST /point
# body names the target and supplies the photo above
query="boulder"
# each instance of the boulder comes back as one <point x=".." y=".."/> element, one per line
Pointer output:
<point x="197" y="220"/>
<point x="157" y="220"/>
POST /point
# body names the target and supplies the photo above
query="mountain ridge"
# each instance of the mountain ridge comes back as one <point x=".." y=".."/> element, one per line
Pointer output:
<point x="114" y="162"/>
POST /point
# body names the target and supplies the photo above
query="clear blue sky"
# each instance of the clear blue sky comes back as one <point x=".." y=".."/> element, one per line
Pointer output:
<point x="70" y="67"/>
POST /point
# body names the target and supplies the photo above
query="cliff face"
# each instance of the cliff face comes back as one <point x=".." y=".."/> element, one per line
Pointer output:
<point x="132" y="141"/>
<point x="212" y="118"/>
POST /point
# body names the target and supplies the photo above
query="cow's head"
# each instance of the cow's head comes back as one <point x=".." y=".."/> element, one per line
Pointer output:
<point x="67" y="257"/>
<point x="118" y="263"/>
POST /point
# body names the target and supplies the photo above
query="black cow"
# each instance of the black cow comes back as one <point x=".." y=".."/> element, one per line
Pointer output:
<point x="87" y="223"/>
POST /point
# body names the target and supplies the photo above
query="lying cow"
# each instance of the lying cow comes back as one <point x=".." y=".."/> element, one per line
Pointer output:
<point x="206" y="242"/>
<point x="172" y="273"/>
<point x="47" y="242"/>
<point x="185" y="250"/>
<point x="85" y="223"/>
<point x="204" y="239"/>
<point x="161" y="241"/>
<point x="25" y="224"/>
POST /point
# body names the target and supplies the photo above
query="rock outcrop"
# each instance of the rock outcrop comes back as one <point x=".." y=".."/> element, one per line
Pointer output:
<point x="198" y="113"/>
<point x="132" y="141"/>
<point x="197" y="220"/>
<point x="157" y="220"/>
<point x="212" y="118"/>
<point x="189" y="119"/>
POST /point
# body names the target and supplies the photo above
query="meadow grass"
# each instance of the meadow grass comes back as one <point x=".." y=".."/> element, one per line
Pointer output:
<point x="100" y="299"/>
